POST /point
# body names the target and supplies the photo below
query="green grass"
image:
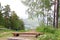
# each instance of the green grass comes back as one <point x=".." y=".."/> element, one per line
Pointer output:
<point x="5" y="33"/>
<point x="49" y="33"/>
<point x="8" y="32"/>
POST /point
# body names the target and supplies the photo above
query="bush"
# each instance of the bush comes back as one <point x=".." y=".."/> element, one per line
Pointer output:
<point x="46" y="29"/>
<point x="48" y="37"/>
<point x="49" y="33"/>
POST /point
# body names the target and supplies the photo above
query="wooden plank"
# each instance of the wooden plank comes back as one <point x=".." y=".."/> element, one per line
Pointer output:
<point x="35" y="34"/>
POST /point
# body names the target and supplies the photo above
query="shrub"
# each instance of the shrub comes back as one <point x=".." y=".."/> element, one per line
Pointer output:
<point x="46" y="29"/>
<point x="48" y="37"/>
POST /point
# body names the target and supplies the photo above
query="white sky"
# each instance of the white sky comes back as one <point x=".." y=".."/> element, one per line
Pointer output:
<point x="16" y="6"/>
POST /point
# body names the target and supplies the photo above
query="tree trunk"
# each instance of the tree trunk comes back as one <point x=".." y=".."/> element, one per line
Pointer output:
<point x="56" y="10"/>
<point x="54" y="15"/>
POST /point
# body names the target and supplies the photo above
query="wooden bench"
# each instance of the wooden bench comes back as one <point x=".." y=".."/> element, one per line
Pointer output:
<point x="35" y="34"/>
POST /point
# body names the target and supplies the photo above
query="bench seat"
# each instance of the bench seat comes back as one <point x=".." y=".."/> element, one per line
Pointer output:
<point x="27" y="34"/>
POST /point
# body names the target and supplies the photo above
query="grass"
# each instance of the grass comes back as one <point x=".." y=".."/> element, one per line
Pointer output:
<point x="4" y="33"/>
<point x="49" y="33"/>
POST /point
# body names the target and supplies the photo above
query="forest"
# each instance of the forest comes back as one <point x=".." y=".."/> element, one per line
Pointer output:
<point x="9" y="19"/>
<point x="47" y="13"/>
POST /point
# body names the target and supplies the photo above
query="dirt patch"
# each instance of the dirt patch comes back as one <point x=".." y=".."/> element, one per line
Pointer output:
<point x="3" y="38"/>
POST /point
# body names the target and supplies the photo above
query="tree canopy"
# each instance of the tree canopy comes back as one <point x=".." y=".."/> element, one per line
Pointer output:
<point x="9" y="19"/>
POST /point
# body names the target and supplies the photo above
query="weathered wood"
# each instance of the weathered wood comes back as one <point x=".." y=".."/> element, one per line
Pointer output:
<point x="35" y="34"/>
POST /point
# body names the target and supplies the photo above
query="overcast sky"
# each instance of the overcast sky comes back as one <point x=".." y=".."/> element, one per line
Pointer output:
<point x="17" y="6"/>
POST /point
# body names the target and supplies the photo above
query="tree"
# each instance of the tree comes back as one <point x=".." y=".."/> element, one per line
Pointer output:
<point x="47" y="7"/>
<point x="56" y="11"/>
<point x="38" y="8"/>
<point x="6" y="16"/>
<point x="1" y="16"/>
<point x="59" y="15"/>
<point x="16" y="23"/>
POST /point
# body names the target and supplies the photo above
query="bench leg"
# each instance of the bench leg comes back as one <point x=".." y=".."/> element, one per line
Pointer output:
<point x="37" y="35"/>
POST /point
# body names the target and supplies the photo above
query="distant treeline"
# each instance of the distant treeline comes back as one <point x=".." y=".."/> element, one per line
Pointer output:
<point x="9" y="19"/>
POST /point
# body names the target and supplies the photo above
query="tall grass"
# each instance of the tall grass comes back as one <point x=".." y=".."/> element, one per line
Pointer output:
<point x="50" y="33"/>
<point x="46" y="29"/>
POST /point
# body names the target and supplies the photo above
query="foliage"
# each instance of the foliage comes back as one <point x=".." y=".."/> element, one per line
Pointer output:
<point x="38" y="8"/>
<point x="6" y="16"/>
<point x="16" y="23"/>
<point x="54" y="35"/>
<point x="50" y="33"/>
<point x="9" y="19"/>
<point x="45" y="29"/>
<point x="48" y="37"/>
<point x="1" y="16"/>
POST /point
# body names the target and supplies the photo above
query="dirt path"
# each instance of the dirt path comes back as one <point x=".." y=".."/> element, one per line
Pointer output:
<point x="8" y="33"/>
<point x="22" y="38"/>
